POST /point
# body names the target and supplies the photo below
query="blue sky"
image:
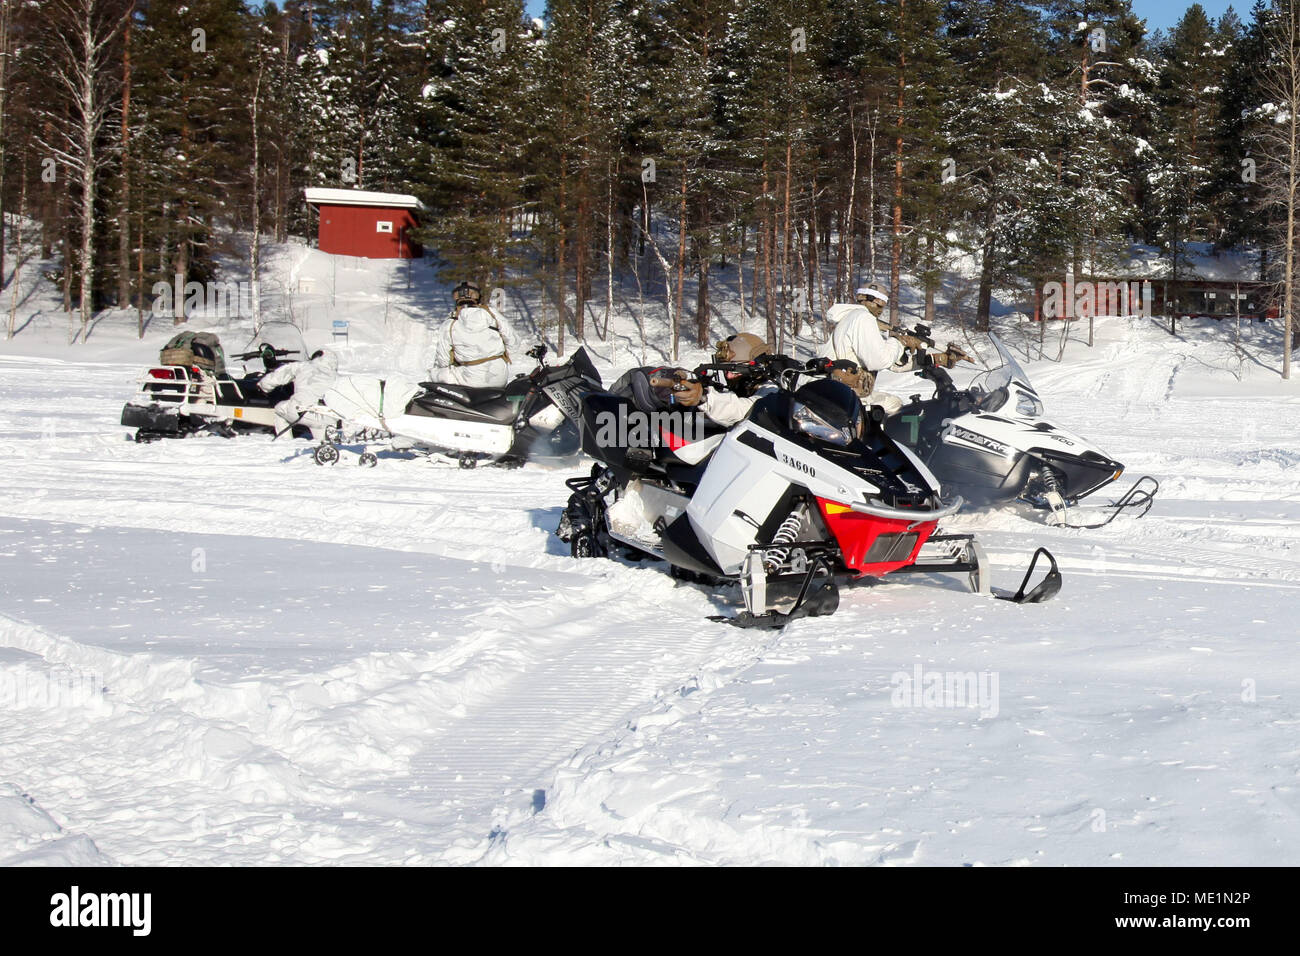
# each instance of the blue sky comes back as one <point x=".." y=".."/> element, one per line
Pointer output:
<point x="1159" y="14"/>
<point x="1163" y="14"/>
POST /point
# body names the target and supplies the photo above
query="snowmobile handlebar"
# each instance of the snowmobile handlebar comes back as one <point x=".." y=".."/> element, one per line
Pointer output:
<point x="908" y="514"/>
<point x="939" y="375"/>
<point x="258" y="353"/>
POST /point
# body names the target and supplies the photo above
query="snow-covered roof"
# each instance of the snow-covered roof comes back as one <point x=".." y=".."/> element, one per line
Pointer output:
<point x="359" y="197"/>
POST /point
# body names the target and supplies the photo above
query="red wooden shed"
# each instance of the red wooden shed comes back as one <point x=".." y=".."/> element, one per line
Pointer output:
<point x="372" y="225"/>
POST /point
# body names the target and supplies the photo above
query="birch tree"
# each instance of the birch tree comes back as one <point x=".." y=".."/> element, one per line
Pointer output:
<point x="82" y="35"/>
<point x="1282" y="147"/>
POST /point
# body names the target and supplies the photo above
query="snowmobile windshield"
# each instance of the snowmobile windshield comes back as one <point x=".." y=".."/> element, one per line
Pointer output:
<point x="1006" y="382"/>
<point x="828" y="412"/>
<point x="280" y="336"/>
<point x="582" y="364"/>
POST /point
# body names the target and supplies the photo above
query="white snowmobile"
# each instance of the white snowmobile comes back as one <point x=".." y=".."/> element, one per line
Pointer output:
<point x="192" y="390"/>
<point x="805" y="493"/>
<point x="533" y="417"/>
<point x="991" y="442"/>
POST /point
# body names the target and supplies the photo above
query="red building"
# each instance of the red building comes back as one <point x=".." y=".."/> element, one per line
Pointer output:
<point x="371" y="225"/>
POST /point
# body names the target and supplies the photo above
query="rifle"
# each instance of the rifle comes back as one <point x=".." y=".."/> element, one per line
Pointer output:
<point x="922" y="334"/>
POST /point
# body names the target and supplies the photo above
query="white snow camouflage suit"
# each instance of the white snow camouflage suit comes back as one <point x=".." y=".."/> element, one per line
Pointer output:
<point x="310" y="380"/>
<point x="476" y="348"/>
<point x="857" y="337"/>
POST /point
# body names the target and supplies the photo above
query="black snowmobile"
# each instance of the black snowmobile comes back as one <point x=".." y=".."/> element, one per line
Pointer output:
<point x="532" y="418"/>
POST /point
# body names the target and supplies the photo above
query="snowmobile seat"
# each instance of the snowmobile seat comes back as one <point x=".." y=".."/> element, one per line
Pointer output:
<point x="467" y="395"/>
<point x="466" y="404"/>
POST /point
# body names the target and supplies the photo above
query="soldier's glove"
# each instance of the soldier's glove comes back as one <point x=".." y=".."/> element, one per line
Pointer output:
<point x="688" y="393"/>
<point x="678" y="383"/>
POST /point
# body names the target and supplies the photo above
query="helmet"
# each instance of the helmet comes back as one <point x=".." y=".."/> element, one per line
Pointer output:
<point x="744" y="347"/>
<point x="873" y="297"/>
<point x="467" y="293"/>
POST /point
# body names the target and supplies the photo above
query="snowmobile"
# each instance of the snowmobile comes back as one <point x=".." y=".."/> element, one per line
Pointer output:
<point x="532" y="418"/>
<point x="191" y="390"/>
<point x="806" y="492"/>
<point x="991" y="443"/>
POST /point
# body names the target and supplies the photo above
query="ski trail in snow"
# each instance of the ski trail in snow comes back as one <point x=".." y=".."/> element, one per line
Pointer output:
<point x="603" y="657"/>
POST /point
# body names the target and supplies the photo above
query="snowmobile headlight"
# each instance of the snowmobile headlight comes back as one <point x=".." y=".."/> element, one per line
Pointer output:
<point x="1028" y="406"/>
<point x="810" y="423"/>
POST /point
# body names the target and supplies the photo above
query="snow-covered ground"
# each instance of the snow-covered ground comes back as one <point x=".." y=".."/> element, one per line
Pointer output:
<point x="215" y="651"/>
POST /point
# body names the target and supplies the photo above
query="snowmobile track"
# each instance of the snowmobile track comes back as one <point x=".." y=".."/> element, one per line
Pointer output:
<point x="560" y="697"/>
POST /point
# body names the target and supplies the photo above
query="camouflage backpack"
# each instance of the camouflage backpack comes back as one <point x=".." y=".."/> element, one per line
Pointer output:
<point x="201" y="349"/>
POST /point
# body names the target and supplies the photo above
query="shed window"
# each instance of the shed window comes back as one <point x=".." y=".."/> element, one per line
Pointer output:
<point x="383" y="226"/>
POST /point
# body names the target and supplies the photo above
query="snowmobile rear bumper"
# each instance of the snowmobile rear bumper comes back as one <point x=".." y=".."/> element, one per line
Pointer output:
<point x="154" y="417"/>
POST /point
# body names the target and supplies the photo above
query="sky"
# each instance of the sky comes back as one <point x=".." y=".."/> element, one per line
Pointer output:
<point x="1163" y="14"/>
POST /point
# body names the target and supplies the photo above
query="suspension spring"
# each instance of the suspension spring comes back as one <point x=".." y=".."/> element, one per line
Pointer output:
<point x="774" y="556"/>
<point x="1051" y="481"/>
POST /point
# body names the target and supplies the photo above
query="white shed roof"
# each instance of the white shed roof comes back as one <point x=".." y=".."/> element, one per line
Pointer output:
<point x="359" y="197"/>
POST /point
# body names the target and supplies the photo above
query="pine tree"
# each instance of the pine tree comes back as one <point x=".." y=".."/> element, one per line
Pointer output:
<point x="859" y="72"/>
<point x="80" y="55"/>
<point x="194" y="127"/>
<point x="587" y="103"/>
<point x="472" y="174"/>
<point x="1190" y="81"/>
<point x="1101" y="41"/>
<point x="1242" y="219"/>
<point x="1002" y="132"/>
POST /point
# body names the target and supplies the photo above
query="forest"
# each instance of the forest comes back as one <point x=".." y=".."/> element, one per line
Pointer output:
<point x="821" y="140"/>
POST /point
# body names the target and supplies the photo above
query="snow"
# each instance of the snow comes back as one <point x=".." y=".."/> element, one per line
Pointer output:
<point x="215" y="652"/>
<point x="360" y="197"/>
<point x="1200" y="260"/>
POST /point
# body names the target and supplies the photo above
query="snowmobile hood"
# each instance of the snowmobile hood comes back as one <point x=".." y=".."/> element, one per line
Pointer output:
<point x="475" y="319"/>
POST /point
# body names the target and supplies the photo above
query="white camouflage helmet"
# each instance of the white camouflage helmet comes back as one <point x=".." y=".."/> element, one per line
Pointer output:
<point x="872" y="297"/>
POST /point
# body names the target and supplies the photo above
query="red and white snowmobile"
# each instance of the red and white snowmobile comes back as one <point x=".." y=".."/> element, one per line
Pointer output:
<point x="806" y="493"/>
